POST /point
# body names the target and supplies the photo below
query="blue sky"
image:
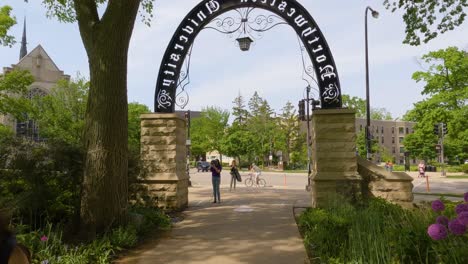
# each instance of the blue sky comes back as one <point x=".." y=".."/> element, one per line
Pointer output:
<point x="273" y="67"/>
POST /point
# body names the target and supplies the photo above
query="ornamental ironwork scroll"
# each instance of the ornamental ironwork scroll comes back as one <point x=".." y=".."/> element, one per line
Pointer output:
<point x="290" y="10"/>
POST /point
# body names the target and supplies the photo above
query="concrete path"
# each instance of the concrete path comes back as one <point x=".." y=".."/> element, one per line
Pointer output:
<point x="251" y="225"/>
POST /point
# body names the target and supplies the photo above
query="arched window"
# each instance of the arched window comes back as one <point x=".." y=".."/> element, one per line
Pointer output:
<point x="30" y="128"/>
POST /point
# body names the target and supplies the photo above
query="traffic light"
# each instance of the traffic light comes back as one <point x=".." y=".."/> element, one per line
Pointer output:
<point x="315" y="104"/>
<point x="436" y="129"/>
<point x="301" y="110"/>
<point x="444" y="129"/>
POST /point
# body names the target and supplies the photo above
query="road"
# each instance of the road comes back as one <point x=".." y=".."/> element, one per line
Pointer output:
<point x="273" y="179"/>
<point x="437" y="183"/>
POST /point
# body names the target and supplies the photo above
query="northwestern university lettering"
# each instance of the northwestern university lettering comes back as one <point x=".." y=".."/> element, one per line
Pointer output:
<point x="290" y="10"/>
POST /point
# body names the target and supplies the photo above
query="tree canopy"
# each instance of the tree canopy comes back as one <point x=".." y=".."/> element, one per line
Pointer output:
<point x="359" y="105"/>
<point x="446" y="88"/>
<point x="426" y="19"/>
<point x="61" y="113"/>
<point x="13" y="88"/>
<point x="6" y="22"/>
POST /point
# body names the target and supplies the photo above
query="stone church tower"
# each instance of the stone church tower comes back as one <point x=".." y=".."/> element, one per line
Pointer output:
<point x="46" y="75"/>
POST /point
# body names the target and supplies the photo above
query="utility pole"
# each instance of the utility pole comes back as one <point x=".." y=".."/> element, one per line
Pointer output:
<point x="442" y="134"/>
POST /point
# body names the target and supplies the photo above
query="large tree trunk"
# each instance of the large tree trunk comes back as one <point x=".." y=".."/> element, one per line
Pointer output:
<point x="106" y="40"/>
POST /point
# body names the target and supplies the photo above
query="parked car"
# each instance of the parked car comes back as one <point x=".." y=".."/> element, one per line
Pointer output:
<point x="203" y="166"/>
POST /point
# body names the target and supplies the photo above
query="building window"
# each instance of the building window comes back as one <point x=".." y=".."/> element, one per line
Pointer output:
<point x="393" y="140"/>
<point x="376" y="129"/>
<point x="382" y="130"/>
<point x="400" y="140"/>
<point x="401" y="130"/>
<point x="407" y="130"/>
<point x="402" y="149"/>
<point x="393" y="130"/>
<point x="360" y="127"/>
<point x="393" y="150"/>
<point x="382" y="140"/>
<point x="30" y="128"/>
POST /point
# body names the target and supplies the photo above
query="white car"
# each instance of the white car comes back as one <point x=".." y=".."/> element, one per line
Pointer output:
<point x="466" y="161"/>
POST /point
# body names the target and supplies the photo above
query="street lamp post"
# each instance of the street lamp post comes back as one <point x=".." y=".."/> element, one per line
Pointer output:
<point x="375" y="14"/>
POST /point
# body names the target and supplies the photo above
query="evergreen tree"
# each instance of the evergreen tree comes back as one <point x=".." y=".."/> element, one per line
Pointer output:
<point x="239" y="111"/>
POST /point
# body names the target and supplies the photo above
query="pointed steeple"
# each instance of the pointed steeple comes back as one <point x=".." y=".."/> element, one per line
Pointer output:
<point x="24" y="49"/>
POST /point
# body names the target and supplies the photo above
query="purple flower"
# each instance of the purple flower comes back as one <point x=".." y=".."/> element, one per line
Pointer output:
<point x="438" y="205"/>
<point x="463" y="218"/>
<point x="461" y="208"/>
<point x="465" y="196"/>
<point x="456" y="227"/>
<point x="443" y="220"/>
<point x="44" y="238"/>
<point x="437" y="231"/>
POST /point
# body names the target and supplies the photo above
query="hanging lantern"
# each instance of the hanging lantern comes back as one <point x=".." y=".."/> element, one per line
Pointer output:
<point x="244" y="43"/>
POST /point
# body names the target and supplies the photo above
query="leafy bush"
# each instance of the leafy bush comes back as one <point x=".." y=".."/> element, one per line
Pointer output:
<point x="378" y="232"/>
<point x="48" y="246"/>
<point x="464" y="168"/>
<point x="40" y="181"/>
<point x="152" y="218"/>
<point x="124" y="237"/>
<point x="454" y="169"/>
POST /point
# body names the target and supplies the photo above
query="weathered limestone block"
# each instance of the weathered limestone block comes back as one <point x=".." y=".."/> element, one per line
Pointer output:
<point x="334" y="157"/>
<point x="163" y="153"/>
<point x="396" y="187"/>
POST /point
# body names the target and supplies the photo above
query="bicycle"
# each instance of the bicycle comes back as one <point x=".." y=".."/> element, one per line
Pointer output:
<point x="249" y="182"/>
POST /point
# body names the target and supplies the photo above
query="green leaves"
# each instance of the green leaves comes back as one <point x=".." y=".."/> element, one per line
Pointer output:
<point x="61" y="113"/>
<point x="6" y="22"/>
<point x="446" y="85"/>
<point x="208" y="131"/>
<point x="359" y="105"/>
<point x="13" y="88"/>
<point x="134" y="124"/>
<point x="426" y="19"/>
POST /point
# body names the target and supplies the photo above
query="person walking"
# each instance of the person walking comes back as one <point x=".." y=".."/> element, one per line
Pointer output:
<point x="421" y="169"/>
<point x="215" y="169"/>
<point x="234" y="174"/>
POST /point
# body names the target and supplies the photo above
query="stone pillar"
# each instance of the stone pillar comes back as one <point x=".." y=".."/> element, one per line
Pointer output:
<point x="334" y="156"/>
<point x="163" y="153"/>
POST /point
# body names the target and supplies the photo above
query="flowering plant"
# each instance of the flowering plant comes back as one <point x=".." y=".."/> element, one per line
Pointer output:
<point x="457" y="226"/>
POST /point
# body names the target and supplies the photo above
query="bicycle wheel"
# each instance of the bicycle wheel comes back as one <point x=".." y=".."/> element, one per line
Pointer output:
<point x="248" y="182"/>
<point x="261" y="182"/>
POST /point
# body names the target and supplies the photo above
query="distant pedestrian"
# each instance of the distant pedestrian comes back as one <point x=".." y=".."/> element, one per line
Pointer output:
<point x="390" y="166"/>
<point x="421" y="169"/>
<point x="387" y="168"/>
<point x="234" y="174"/>
<point x="215" y="169"/>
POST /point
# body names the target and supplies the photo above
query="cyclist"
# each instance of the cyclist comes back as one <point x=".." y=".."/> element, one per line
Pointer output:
<point x="257" y="171"/>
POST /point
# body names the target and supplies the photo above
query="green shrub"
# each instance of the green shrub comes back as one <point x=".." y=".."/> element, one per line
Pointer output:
<point x="48" y="245"/>
<point x="40" y="182"/>
<point x="378" y="232"/>
<point x="453" y="168"/>
<point x="153" y="218"/>
<point x="124" y="236"/>
<point x="464" y="168"/>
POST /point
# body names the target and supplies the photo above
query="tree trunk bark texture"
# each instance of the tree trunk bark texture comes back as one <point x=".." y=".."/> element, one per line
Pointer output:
<point x="104" y="197"/>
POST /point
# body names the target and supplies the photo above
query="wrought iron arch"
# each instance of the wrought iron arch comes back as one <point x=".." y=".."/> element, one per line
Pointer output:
<point x="290" y="10"/>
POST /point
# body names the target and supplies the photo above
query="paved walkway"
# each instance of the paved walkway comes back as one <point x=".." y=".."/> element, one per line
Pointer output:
<point x="251" y="225"/>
